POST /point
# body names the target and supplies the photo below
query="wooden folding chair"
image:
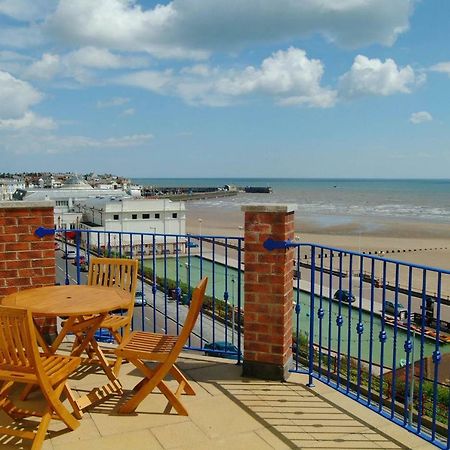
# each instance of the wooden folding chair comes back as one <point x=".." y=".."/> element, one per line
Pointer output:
<point x="20" y="362"/>
<point x="140" y="346"/>
<point x="113" y="272"/>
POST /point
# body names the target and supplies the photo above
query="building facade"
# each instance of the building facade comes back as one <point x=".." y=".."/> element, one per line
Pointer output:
<point x="160" y="221"/>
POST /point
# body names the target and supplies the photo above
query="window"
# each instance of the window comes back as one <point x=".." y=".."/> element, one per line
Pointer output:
<point x="146" y="216"/>
<point x="174" y="215"/>
<point x="157" y="216"/>
<point x="116" y="216"/>
<point x="134" y="216"/>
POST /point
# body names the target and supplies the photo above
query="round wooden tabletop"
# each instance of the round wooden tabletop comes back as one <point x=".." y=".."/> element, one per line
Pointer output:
<point x="71" y="300"/>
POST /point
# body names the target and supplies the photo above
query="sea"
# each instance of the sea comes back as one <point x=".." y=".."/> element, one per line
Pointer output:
<point x="334" y="201"/>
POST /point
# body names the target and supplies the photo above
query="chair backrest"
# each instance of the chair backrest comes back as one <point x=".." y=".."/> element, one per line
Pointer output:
<point x="18" y="345"/>
<point x="194" y="310"/>
<point x="114" y="272"/>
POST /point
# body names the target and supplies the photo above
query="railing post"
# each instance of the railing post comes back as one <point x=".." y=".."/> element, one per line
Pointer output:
<point x="268" y="291"/>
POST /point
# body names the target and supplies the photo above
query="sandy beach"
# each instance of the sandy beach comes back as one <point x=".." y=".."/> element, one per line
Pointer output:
<point x="419" y="243"/>
<point x="424" y="243"/>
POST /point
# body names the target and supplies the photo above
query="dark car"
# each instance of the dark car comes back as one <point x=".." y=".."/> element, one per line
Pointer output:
<point x="221" y="349"/>
<point x="389" y="308"/>
<point x="344" y="296"/>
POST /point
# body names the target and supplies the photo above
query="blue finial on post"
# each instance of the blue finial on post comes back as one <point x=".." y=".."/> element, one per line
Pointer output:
<point x="41" y="232"/>
<point x="270" y="244"/>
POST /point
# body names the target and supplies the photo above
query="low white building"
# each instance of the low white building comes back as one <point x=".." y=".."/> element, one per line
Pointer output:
<point x="131" y="223"/>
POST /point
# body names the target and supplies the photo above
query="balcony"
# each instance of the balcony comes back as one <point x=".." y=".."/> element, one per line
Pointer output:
<point x="377" y="375"/>
<point x="229" y="412"/>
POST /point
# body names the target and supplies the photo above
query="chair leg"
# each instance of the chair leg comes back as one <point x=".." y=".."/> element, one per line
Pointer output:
<point x="71" y="397"/>
<point x="27" y="390"/>
<point x="182" y="380"/>
<point x="147" y="385"/>
<point x="119" y="359"/>
<point x="42" y="430"/>
<point x="5" y="403"/>
<point x="53" y="399"/>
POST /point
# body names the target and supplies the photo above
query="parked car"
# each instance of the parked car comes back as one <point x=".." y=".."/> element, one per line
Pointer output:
<point x="389" y="308"/>
<point x="344" y="296"/>
<point x="221" y="349"/>
<point x="191" y="244"/>
<point x="80" y="260"/>
<point x="69" y="254"/>
<point x="139" y="299"/>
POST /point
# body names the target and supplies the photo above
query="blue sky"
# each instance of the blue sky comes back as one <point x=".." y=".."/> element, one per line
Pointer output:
<point x="203" y="88"/>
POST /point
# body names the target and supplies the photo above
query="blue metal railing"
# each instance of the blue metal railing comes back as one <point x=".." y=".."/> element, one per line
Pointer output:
<point x="373" y="328"/>
<point x="376" y="330"/>
<point x="169" y="268"/>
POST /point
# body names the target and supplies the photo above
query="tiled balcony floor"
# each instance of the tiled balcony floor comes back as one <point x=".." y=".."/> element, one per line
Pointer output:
<point x="228" y="412"/>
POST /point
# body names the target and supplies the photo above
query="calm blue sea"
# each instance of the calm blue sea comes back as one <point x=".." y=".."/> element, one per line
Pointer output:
<point x="336" y="200"/>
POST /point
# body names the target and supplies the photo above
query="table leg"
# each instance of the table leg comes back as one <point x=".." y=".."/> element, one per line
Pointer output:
<point x="96" y="394"/>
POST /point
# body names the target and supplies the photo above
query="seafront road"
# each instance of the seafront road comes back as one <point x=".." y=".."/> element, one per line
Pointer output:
<point x="161" y="318"/>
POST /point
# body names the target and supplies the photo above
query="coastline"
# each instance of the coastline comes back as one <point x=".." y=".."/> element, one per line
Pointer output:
<point x="424" y="243"/>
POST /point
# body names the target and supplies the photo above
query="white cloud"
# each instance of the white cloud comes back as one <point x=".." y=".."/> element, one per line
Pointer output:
<point x="420" y="117"/>
<point x="442" y="67"/>
<point x="13" y="62"/>
<point x="374" y="77"/>
<point x="29" y="120"/>
<point x="117" y="24"/>
<point x="59" y="144"/>
<point x="116" y="101"/>
<point x="44" y="69"/>
<point x="25" y="9"/>
<point x="16" y="96"/>
<point x="29" y="142"/>
<point x="80" y="64"/>
<point x="289" y="77"/>
<point x="98" y="58"/>
<point x="128" y="112"/>
<point x="193" y="28"/>
<point x="21" y="36"/>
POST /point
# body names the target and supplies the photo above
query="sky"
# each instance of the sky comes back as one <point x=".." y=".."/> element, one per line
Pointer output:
<point x="226" y="88"/>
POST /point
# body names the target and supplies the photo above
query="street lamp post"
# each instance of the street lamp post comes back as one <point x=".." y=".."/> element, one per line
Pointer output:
<point x="411" y="386"/>
<point x="232" y="310"/>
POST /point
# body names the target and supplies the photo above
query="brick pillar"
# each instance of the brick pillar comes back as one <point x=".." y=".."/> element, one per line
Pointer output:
<point x="26" y="261"/>
<point x="268" y="292"/>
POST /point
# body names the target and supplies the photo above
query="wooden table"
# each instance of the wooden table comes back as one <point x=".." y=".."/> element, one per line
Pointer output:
<point x="76" y="302"/>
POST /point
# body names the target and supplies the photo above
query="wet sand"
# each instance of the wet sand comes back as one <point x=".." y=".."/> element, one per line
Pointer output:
<point x="416" y="242"/>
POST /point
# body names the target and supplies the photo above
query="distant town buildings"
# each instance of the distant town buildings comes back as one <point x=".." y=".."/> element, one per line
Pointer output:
<point x="108" y="206"/>
<point x="8" y="186"/>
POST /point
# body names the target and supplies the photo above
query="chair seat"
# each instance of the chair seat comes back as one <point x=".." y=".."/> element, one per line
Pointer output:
<point x="56" y="368"/>
<point x="145" y="345"/>
<point x="115" y="321"/>
<point x="141" y="346"/>
<point x="111" y="321"/>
